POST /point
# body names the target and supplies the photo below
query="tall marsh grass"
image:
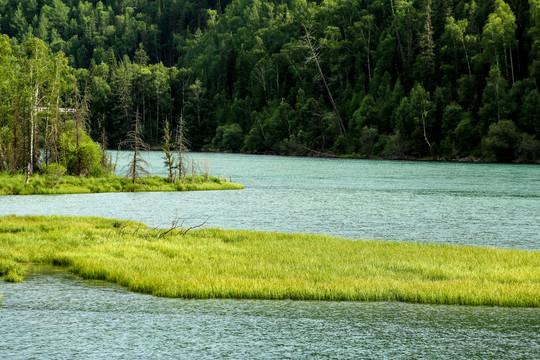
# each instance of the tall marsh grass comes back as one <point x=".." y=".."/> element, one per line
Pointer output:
<point x="43" y="184"/>
<point x="214" y="263"/>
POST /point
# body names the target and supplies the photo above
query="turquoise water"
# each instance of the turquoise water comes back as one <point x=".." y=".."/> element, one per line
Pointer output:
<point x="451" y="203"/>
<point x="55" y="315"/>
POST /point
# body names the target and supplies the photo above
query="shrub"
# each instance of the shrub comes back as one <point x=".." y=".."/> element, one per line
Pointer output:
<point x="466" y="135"/>
<point x="229" y="137"/>
<point x="54" y="173"/>
<point x="501" y="142"/>
<point x="341" y="146"/>
<point x="82" y="157"/>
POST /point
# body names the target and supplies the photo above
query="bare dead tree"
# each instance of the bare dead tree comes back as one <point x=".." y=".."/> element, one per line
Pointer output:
<point x="104" y="144"/>
<point x="182" y="145"/>
<point x="314" y="56"/>
<point x="134" y="142"/>
<point x="206" y="169"/>
<point x="169" y="160"/>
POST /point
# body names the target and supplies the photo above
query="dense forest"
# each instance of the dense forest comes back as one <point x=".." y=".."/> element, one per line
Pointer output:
<point x="43" y="116"/>
<point x="444" y="79"/>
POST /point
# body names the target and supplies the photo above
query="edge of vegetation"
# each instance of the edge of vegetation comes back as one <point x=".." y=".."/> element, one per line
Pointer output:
<point x="45" y="185"/>
<point x="215" y="263"/>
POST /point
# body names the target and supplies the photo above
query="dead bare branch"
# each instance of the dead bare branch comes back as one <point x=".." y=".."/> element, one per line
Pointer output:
<point x="177" y="223"/>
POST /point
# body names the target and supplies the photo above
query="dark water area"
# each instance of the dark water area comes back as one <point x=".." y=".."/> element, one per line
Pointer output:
<point x="55" y="315"/>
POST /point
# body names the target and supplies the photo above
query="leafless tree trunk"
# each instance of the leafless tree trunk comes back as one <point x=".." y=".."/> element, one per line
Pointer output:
<point x="259" y="73"/>
<point x="400" y="47"/>
<point x="466" y="55"/>
<point x="136" y="167"/>
<point x="314" y="57"/>
<point x="182" y="145"/>
<point x="33" y="119"/>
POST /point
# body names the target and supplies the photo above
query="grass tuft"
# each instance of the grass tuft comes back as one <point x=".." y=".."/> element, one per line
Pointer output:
<point x="12" y="271"/>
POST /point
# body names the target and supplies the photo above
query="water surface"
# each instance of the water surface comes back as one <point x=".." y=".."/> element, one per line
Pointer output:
<point x="54" y="315"/>
<point x="452" y="203"/>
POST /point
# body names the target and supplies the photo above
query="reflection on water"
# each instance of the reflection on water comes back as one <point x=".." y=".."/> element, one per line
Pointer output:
<point x="54" y="315"/>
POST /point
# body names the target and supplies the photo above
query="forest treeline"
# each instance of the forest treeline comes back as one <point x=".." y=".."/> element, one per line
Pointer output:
<point x="43" y="116"/>
<point x="376" y="78"/>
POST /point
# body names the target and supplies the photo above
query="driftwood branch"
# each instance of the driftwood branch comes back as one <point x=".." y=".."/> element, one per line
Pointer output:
<point x="176" y="224"/>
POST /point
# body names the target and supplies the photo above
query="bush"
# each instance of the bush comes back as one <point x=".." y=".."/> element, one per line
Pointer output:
<point x="529" y="149"/>
<point x="229" y="137"/>
<point x="467" y="138"/>
<point x="502" y="142"/>
<point x="83" y="157"/>
<point x="54" y="173"/>
<point x="341" y="146"/>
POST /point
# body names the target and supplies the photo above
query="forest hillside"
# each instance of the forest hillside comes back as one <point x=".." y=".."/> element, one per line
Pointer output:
<point x="443" y="79"/>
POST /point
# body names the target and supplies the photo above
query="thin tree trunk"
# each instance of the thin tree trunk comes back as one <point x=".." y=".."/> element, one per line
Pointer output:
<point x="466" y="55"/>
<point x="506" y="63"/>
<point x="425" y="134"/>
<point x="3" y="158"/>
<point x="33" y="116"/>
<point x="368" y="52"/>
<point x="134" y="166"/>
<point x="400" y="47"/>
<point x="496" y="52"/>
<point x="277" y="79"/>
<point x="157" y="115"/>
<point x="512" y="66"/>
<point x="54" y="131"/>
<point x="47" y="134"/>
<point x="315" y="58"/>
<point x="135" y="150"/>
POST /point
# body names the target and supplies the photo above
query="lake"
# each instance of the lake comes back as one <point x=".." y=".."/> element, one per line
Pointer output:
<point x="450" y="203"/>
<point x="56" y="315"/>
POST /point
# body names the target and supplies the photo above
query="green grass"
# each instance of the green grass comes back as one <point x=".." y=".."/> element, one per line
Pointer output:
<point x="41" y="184"/>
<point x="213" y="263"/>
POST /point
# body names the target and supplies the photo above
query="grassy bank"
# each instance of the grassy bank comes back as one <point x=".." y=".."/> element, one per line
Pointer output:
<point x="244" y="264"/>
<point x="42" y="184"/>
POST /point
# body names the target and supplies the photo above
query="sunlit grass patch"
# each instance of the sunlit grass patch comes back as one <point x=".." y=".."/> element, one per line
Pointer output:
<point x="41" y="184"/>
<point x="215" y="263"/>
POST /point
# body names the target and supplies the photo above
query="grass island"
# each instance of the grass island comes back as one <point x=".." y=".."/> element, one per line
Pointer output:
<point x="68" y="184"/>
<point x="215" y="263"/>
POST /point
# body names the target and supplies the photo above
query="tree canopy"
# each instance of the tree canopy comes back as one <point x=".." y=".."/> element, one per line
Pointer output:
<point x="393" y="78"/>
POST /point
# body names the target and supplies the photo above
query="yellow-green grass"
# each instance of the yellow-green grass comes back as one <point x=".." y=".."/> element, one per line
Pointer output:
<point x="42" y="184"/>
<point x="214" y="263"/>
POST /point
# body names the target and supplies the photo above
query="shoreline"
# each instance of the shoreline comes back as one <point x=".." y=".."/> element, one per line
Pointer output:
<point x="216" y="263"/>
<point x="47" y="185"/>
<point x="463" y="160"/>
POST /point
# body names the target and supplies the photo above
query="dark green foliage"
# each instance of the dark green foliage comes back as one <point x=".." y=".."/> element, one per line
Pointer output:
<point x="396" y="78"/>
<point x="502" y="141"/>
<point x="229" y="137"/>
